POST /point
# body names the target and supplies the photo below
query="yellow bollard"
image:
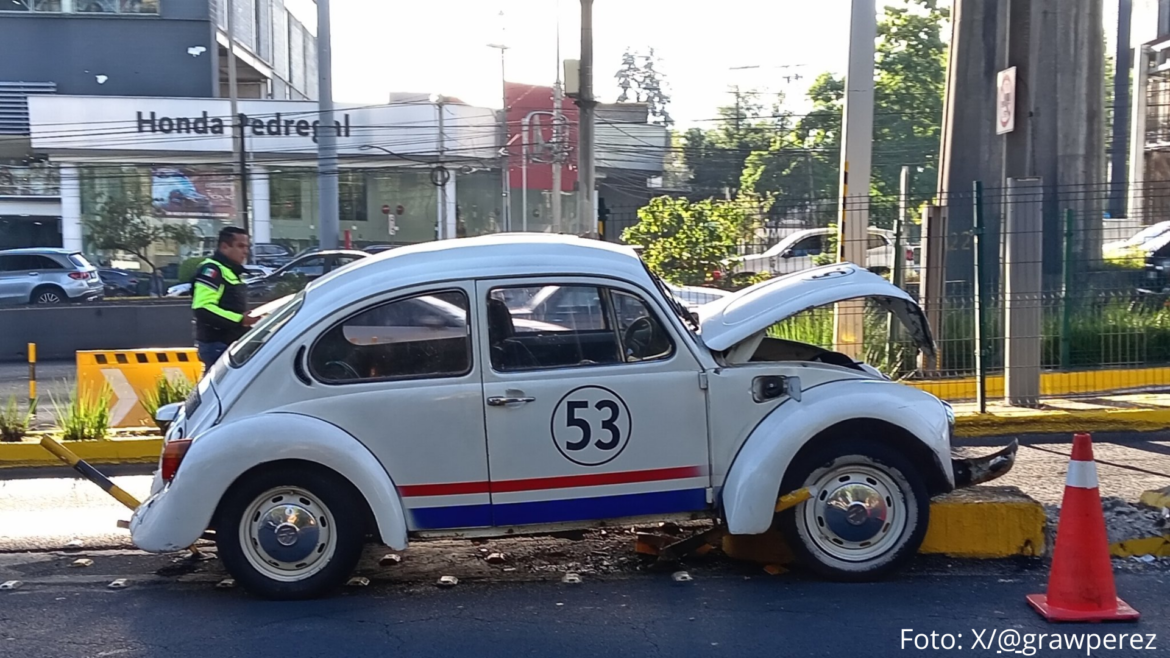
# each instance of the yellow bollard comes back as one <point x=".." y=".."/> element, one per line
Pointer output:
<point x="793" y="499"/>
<point x="32" y="379"/>
<point x="90" y="473"/>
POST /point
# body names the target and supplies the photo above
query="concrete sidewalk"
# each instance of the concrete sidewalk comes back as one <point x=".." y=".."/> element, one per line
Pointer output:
<point x="1132" y="412"/>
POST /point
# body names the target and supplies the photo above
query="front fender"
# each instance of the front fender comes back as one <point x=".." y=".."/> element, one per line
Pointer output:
<point x="176" y="516"/>
<point x="753" y="482"/>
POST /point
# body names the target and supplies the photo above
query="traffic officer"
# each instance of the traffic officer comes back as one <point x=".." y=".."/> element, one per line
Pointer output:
<point x="219" y="298"/>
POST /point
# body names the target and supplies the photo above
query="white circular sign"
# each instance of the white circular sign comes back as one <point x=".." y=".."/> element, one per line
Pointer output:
<point x="591" y="425"/>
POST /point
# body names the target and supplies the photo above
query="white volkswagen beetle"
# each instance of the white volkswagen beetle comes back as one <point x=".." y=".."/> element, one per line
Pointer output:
<point x="398" y="398"/>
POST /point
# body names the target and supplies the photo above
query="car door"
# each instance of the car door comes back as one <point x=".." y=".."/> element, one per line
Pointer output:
<point x="595" y="417"/>
<point x="880" y="252"/>
<point x="800" y="255"/>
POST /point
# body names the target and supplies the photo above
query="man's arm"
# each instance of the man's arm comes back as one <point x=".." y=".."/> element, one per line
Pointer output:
<point x="206" y="293"/>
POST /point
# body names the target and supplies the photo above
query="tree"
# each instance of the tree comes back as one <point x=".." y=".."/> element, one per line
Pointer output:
<point x="126" y="223"/>
<point x="685" y="242"/>
<point x="716" y="156"/>
<point x="639" y="73"/>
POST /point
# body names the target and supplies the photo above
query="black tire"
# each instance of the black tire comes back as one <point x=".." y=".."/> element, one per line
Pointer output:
<point x="907" y="493"/>
<point x="344" y="504"/>
<point x="48" y="296"/>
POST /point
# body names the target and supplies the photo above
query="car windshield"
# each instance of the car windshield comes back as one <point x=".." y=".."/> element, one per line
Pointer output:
<point x="1149" y="233"/>
<point x="673" y="301"/>
<point x="265" y="329"/>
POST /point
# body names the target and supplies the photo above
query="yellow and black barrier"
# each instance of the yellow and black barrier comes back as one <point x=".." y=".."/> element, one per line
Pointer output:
<point x="130" y="374"/>
<point x="90" y="473"/>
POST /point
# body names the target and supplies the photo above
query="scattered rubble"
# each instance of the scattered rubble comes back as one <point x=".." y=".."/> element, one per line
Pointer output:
<point x="1123" y="520"/>
<point x="82" y="562"/>
<point x="390" y="559"/>
<point x="120" y="583"/>
<point x="226" y="583"/>
<point x="496" y="558"/>
<point x="681" y="577"/>
<point x="447" y="581"/>
<point x="571" y="579"/>
<point x="357" y="581"/>
<point x="10" y="584"/>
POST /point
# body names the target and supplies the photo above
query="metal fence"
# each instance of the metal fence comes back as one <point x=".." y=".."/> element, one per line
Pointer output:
<point x="1038" y="265"/>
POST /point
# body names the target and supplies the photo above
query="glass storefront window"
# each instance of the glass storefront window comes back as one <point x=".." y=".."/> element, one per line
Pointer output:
<point x="29" y="180"/>
<point x="82" y="6"/>
<point x="352" y="192"/>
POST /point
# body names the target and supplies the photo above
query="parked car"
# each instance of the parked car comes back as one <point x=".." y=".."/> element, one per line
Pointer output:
<point x="183" y="288"/>
<point x="347" y="413"/>
<point x="119" y="283"/>
<point x="795" y="253"/>
<point x="44" y="275"/>
<point x="378" y="248"/>
<point x="1156" y="271"/>
<point x="1140" y="244"/>
<point x="270" y="254"/>
<point x="299" y="272"/>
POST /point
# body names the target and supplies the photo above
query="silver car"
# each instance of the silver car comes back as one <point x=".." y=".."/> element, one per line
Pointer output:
<point x="44" y="275"/>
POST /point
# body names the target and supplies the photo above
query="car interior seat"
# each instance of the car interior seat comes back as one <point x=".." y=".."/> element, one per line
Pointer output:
<point x="507" y="352"/>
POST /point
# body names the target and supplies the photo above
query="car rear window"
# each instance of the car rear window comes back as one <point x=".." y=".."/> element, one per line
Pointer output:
<point x="79" y="260"/>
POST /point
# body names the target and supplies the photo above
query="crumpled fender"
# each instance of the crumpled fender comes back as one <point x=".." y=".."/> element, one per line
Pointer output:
<point x="176" y="516"/>
<point x="753" y="482"/>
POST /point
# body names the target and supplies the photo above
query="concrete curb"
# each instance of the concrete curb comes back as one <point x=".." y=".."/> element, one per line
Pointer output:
<point x="110" y="451"/>
<point x="1055" y="421"/>
<point x="959" y="524"/>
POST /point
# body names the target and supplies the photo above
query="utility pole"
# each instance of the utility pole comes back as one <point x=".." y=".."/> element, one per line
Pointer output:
<point x="585" y="132"/>
<point x="558" y="136"/>
<point x="505" y="185"/>
<point x="239" y="164"/>
<point x="856" y="159"/>
<point x="329" y="204"/>
<point x="1118" y="152"/>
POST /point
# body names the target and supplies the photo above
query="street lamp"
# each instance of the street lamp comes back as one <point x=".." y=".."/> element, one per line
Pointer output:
<point x="506" y="212"/>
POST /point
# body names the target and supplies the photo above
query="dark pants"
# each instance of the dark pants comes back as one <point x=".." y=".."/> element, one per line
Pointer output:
<point x="209" y="353"/>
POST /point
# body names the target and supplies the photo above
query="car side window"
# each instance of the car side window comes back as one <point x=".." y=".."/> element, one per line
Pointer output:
<point x="877" y="241"/>
<point x="531" y="328"/>
<point x="8" y="263"/>
<point x="810" y="246"/>
<point x="311" y="267"/>
<point x="416" y="337"/>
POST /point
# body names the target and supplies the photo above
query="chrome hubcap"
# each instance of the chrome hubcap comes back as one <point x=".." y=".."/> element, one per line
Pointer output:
<point x="288" y="534"/>
<point x="857" y="514"/>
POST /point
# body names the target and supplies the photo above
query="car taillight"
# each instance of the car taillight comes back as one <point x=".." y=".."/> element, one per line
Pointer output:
<point x="79" y="275"/>
<point x="172" y="457"/>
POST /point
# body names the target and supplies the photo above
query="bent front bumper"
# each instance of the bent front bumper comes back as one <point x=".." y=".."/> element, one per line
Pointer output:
<point x="977" y="470"/>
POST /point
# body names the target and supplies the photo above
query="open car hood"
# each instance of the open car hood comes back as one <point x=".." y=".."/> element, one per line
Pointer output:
<point x="726" y="322"/>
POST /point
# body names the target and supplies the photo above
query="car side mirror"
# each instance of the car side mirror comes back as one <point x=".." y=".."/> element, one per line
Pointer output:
<point x="787" y="254"/>
<point x="770" y="387"/>
<point x="167" y="413"/>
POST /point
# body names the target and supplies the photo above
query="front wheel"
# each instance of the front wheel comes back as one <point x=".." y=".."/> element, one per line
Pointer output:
<point x="868" y="515"/>
<point x="290" y="532"/>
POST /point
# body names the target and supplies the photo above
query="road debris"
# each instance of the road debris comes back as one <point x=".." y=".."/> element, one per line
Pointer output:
<point x="120" y="583"/>
<point x="774" y="570"/>
<point x="447" y="581"/>
<point x="81" y="562"/>
<point x="1124" y="521"/>
<point x="390" y="559"/>
<point x="10" y="584"/>
<point x="74" y="544"/>
<point x="496" y="558"/>
<point x="681" y="577"/>
<point x="226" y="583"/>
<point x="357" y="581"/>
<point x="571" y="579"/>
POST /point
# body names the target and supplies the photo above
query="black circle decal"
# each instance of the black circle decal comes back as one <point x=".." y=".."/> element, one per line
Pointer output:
<point x="591" y="425"/>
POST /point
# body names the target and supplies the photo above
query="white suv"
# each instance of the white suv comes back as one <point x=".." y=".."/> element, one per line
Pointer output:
<point x="795" y="253"/>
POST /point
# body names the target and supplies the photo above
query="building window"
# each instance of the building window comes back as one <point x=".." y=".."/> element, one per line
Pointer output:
<point x="287" y="195"/>
<point x="352" y="191"/>
<point x="82" y="6"/>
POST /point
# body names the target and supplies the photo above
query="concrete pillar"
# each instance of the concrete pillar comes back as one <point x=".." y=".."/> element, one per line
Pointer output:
<point x="932" y="284"/>
<point x="70" y="206"/>
<point x="447" y="192"/>
<point x="1023" y="290"/>
<point x="1137" y="132"/>
<point x="1120" y="128"/>
<point x="261" y="206"/>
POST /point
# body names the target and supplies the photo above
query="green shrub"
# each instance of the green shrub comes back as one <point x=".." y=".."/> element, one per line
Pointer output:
<point x="166" y="391"/>
<point x="14" y="424"/>
<point x="87" y="416"/>
<point x="187" y="268"/>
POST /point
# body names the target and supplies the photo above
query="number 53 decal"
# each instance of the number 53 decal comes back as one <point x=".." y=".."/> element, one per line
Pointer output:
<point x="591" y="425"/>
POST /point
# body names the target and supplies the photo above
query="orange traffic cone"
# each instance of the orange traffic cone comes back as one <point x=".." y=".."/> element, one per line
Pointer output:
<point x="1080" y="585"/>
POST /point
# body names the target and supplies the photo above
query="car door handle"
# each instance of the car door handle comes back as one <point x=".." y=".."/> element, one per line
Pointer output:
<point x="501" y="401"/>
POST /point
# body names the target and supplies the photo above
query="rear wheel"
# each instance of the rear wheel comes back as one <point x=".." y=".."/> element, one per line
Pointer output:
<point x="48" y="295"/>
<point x="868" y="515"/>
<point x="290" y="532"/>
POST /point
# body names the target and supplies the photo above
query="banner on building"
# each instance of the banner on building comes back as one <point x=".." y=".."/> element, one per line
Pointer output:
<point x="192" y="192"/>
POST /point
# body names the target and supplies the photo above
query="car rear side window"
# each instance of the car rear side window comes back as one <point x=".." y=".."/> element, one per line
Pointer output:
<point x="423" y="336"/>
<point x="79" y="260"/>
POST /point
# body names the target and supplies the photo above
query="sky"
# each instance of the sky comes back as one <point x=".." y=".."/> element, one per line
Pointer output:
<point x="381" y="46"/>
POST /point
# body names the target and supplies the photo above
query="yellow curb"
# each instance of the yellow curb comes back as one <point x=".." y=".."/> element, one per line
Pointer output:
<point x="1050" y="421"/>
<point x="112" y="451"/>
<point x="1156" y="546"/>
<point x="1052" y="384"/>
<point x="1156" y="497"/>
<point x="978" y="522"/>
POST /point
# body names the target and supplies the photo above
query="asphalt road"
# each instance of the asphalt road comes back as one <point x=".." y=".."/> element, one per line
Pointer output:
<point x="646" y="616"/>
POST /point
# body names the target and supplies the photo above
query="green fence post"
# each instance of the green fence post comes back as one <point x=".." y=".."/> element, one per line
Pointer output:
<point x="980" y="272"/>
<point x="1066" y="289"/>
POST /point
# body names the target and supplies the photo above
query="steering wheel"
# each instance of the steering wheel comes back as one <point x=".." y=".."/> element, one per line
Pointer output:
<point x="348" y="371"/>
<point x="636" y="346"/>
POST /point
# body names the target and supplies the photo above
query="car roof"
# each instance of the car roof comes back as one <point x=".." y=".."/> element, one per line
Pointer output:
<point x="493" y="256"/>
<point x="38" y="250"/>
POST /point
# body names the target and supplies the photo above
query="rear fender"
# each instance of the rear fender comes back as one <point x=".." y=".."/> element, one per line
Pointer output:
<point x="175" y="517"/>
<point x="752" y="486"/>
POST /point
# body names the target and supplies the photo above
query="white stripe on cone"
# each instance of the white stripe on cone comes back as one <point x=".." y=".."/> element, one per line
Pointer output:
<point x="1082" y="475"/>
